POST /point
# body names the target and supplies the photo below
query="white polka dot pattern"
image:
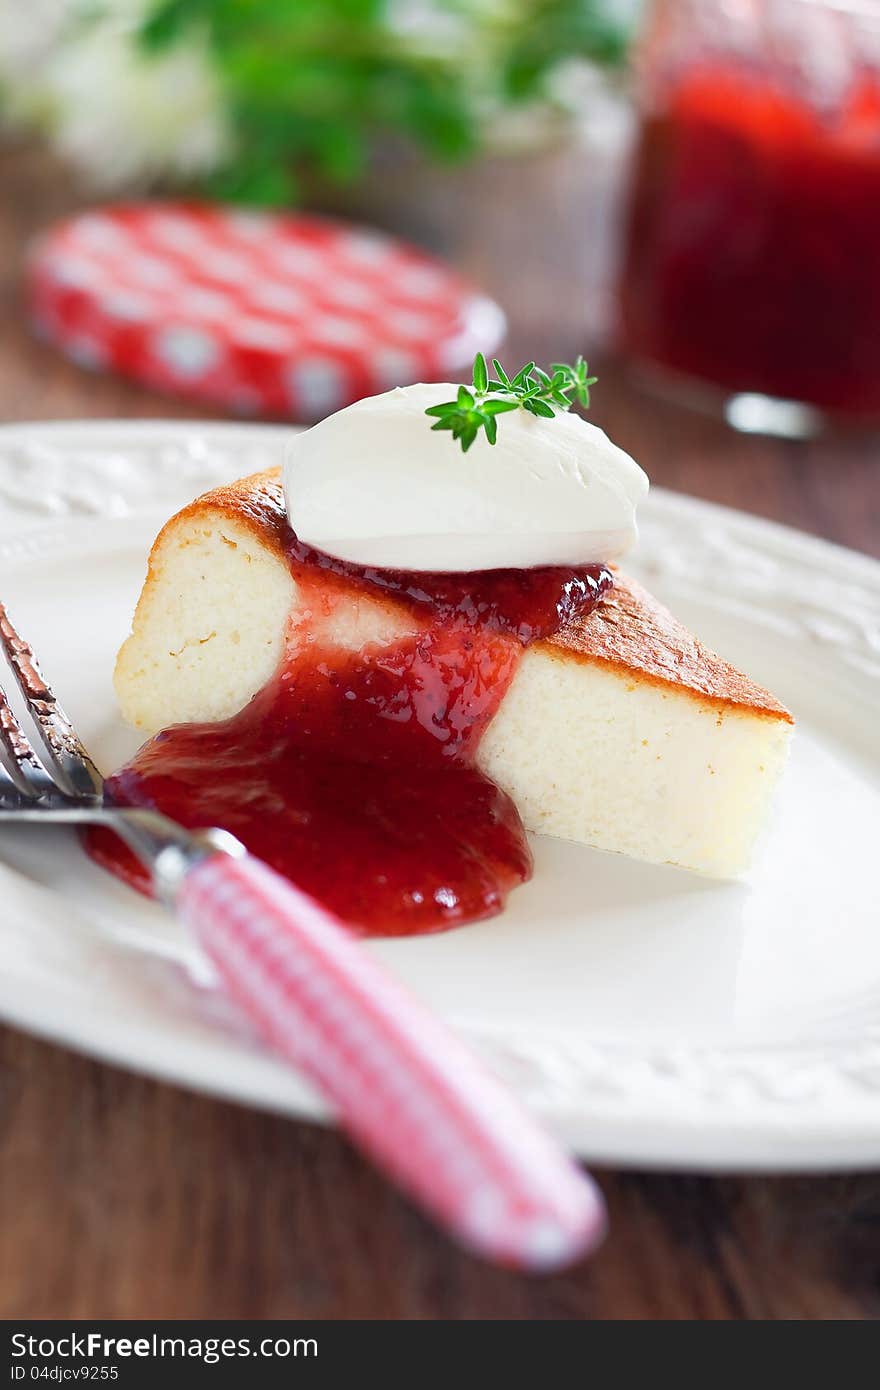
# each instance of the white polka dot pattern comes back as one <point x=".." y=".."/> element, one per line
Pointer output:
<point x="295" y="314"/>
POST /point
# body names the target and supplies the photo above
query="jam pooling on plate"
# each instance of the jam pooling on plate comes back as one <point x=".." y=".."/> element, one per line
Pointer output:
<point x="353" y="771"/>
<point x="752" y="247"/>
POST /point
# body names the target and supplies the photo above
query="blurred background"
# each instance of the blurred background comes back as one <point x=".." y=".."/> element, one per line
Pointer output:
<point x="687" y="191"/>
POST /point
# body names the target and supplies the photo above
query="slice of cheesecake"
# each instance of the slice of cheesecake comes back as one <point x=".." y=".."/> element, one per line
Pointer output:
<point x="622" y="731"/>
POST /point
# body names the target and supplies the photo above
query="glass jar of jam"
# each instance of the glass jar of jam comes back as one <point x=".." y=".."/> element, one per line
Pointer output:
<point x="752" y="250"/>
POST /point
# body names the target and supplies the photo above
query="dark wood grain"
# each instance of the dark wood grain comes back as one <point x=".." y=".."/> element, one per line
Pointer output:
<point x="120" y="1197"/>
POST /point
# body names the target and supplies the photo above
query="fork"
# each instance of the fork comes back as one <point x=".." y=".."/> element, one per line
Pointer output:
<point x="405" y="1089"/>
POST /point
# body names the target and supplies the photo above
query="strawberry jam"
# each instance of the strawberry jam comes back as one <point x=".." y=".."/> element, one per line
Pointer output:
<point x="752" y="257"/>
<point x="353" y="772"/>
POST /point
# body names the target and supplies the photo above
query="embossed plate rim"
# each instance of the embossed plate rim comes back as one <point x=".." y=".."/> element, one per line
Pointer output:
<point x="760" y="1106"/>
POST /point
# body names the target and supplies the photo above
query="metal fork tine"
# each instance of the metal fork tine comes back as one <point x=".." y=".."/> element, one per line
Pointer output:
<point x="32" y="779"/>
<point x="57" y="733"/>
<point x="10" y="796"/>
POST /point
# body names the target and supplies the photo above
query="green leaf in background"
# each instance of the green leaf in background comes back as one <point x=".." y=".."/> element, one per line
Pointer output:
<point x="308" y="85"/>
<point x="590" y="30"/>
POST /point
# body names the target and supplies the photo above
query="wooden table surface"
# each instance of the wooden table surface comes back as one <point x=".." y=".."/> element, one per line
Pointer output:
<point x="121" y="1197"/>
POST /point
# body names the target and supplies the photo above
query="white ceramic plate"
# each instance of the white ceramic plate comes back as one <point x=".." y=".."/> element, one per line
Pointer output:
<point x="650" y="1016"/>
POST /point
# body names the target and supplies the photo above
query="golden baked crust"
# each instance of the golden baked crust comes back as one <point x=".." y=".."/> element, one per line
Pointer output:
<point x="628" y="629"/>
<point x="255" y="502"/>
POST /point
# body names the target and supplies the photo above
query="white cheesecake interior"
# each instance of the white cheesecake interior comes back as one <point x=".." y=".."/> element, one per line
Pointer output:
<point x="591" y="745"/>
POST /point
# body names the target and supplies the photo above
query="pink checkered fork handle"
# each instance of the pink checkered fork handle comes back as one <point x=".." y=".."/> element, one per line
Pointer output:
<point x="406" y="1090"/>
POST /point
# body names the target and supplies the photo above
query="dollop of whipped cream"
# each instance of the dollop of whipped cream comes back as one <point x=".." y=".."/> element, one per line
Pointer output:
<point x="374" y="485"/>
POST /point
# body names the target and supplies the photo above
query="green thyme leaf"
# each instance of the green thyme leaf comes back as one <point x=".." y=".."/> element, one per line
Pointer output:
<point x="539" y="392"/>
<point x="481" y="374"/>
<point x="524" y="375"/>
<point x="501" y="374"/>
<point x="538" y="407"/>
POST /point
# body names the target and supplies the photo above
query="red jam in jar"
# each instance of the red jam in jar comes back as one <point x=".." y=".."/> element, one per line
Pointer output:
<point x="753" y="247"/>
<point x="354" y="771"/>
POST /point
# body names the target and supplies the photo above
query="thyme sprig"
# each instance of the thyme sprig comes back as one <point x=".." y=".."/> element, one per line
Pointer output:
<point x="541" y="393"/>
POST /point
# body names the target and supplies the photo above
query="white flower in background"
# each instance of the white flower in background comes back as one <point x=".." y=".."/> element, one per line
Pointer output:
<point x="127" y="117"/>
<point x="447" y="26"/>
<point x="29" y="34"/>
